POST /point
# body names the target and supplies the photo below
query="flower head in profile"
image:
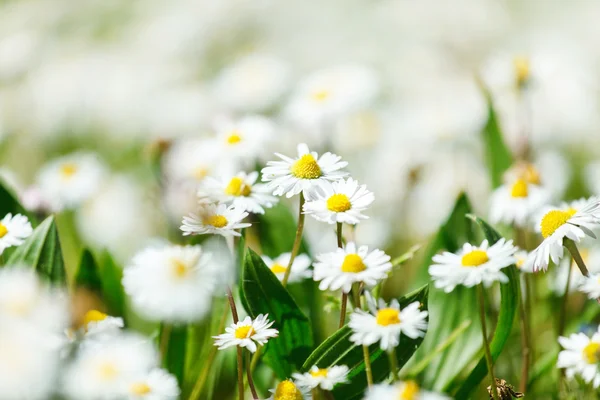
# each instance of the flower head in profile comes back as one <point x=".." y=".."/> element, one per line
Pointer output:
<point x="515" y="203"/>
<point x="216" y="219"/>
<point x="97" y="325"/>
<point x="324" y="378"/>
<point x="157" y="384"/>
<point x="403" y="390"/>
<point x="341" y="201"/>
<point x="288" y="390"/>
<point x="247" y="333"/>
<point x="293" y="175"/>
<point x="14" y="230"/>
<point x="300" y="267"/>
<point x="345" y="266"/>
<point x="581" y="356"/>
<point x="473" y="265"/>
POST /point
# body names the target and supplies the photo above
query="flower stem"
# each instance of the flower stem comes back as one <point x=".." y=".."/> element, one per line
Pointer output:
<point x="366" y="355"/>
<point x="316" y="394"/>
<point x="165" y="335"/>
<point x="297" y="241"/>
<point x="525" y="340"/>
<point x="343" y="309"/>
<point x="572" y="247"/>
<point x="393" y="364"/>
<point x="486" y="344"/>
<point x="340" y="242"/>
<point x="240" y="362"/>
<point x="250" y="380"/>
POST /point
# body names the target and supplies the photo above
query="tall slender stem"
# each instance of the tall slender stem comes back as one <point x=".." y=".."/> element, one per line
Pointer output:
<point x="165" y="335"/>
<point x="343" y="309"/>
<point x="486" y="344"/>
<point x="297" y="241"/>
<point x="240" y="362"/>
<point x="562" y="316"/>
<point x="525" y="340"/>
<point x="340" y="242"/>
<point x="366" y="354"/>
<point x="250" y="380"/>
<point x="572" y="247"/>
<point x="393" y="364"/>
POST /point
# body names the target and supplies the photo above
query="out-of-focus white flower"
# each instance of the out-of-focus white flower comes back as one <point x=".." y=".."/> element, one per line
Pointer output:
<point x="581" y="356"/>
<point x="590" y="255"/>
<point x="346" y="266"/>
<point x="292" y="176"/>
<point x="520" y="259"/>
<point x="97" y="325"/>
<point x="401" y="390"/>
<point x="473" y="265"/>
<point x="243" y="141"/>
<point x="300" y="267"/>
<point x="247" y="333"/>
<point x="14" y="230"/>
<point x="590" y="285"/>
<point x="324" y="378"/>
<point x="216" y="219"/>
<point x="592" y="177"/>
<point x="288" y="390"/>
<point x="517" y="202"/>
<point x="191" y="160"/>
<point x="157" y="384"/>
<point x="342" y="201"/>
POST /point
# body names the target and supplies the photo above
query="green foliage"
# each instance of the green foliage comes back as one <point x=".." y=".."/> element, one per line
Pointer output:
<point x="175" y="356"/>
<point x="277" y="231"/>
<point x="87" y="273"/>
<point x="9" y="202"/>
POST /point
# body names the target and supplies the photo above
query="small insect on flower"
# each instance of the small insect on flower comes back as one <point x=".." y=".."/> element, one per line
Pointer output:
<point x="581" y="356"/>
<point x="325" y="378"/>
<point x="288" y="390"/>
<point x="504" y="390"/>
<point x="473" y="265"/>
<point x="157" y="384"/>
<point x="292" y="176"/>
<point x="247" y="333"/>
<point x="300" y="267"/>
<point x="342" y="201"/>
<point x="14" y="230"/>
<point x="215" y="219"/>
<point x="345" y="266"/>
<point x="403" y="390"/>
<point x="515" y="203"/>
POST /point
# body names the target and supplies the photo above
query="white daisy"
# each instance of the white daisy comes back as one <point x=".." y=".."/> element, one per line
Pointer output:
<point x="244" y="139"/>
<point x="574" y="221"/>
<point x="345" y="266"/>
<point x="247" y="333"/>
<point x="581" y="356"/>
<point x="157" y="384"/>
<point x="517" y="202"/>
<point x="300" y="267"/>
<point x="98" y="325"/>
<point x="292" y="176"/>
<point x="217" y="219"/>
<point x="70" y="180"/>
<point x="385" y="323"/>
<point x="241" y="190"/>
<point x="288" y="390"/>
<point x="590" y="285"/>
<point x="325" y="378"/>
<point x="473" y="265"/>
<point x="190" y="160"/>
<point x="406" y="390"/>
<point x="14" y="231"/>
<point x="521" y="257"/>
<point x="171" y="283"/>
<point x="342" y="201"/>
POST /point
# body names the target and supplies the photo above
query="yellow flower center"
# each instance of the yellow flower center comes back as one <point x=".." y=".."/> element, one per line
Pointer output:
<point x="306" y="168"/>
<point x="522" y="70"/>
<point x="3" y="230"/>
<point x="200" y="173"/>
<point x="107" y="371"/>
<point x="218" y="221"/>
<point x="179" y="268"/>
<point x="531" y="174"/>
<point x="278" y="269"/>
<point x="353" y="263"/>
<point x="474" y="258"/>
<point x="519" y="189"/>
<point x="410" y="391"/>
<point x="286" y="390"/>
<point x="237" y="187"/>
<point x="388" y="316"/>
<point x="520" y="262"/>
<point x="554" y="220"/>
<point x="320" y="373"/>
<point x="140" y="389"/>
<point x="93" y="316"/>
<point x="234" y="137"/>
<point x="244" y="331"/>
<point x="338" y="203"/>
<point x="321" y="95"/>
<point x="591" y="352"/>
<point x="68" y="170"/>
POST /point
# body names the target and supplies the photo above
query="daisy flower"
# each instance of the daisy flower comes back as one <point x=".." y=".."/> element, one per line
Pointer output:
<point x="473" y="265"/>
<point x="157" y="384"/>
<point x="342" y="201"/>
<point x="325" y="378"/>
<point x="244" y="139"/>
<point x="407" y="390"/>
<point x="300" y="267"/>
<point x="240" y="190"/>
<point x="288" y="390"/>
<point x="521" y="257"/>
<point x="574" y="221"/>
<point x="581" y="356"/>
<point x="98" y="325"/>
<point x="385" y="323"/>
<point x="14" y="230"/>
<point x="517" y="202"/>
<point x="292" y="176"/>
<point x="171" y="283"/>
<point x="247" y="333"/>
<point x="216" y="219"/>
<point x="190" y="160"/>
<point x="345" y="266"/>
<point x="590" y="285"/>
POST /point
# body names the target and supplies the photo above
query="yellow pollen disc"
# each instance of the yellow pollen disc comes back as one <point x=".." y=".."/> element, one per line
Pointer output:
<point x="320" y="95"/>
<point x="410" y="391"/>
<point x="338" y="203"/>
<point x="179" y="268"/>
<point x="519" y="189"/>
<point x="3" y="230"/>
<point x="234" y="137"/>
<point x="321" y="372"/>
<point x="306" y="168"/>
<point x="591" y="352"/>
<point x="237" y="187"/>
<point x="278" y="269"/>
<point x="522" y="69"/>
<point x="286" y="390"/>
<point x="68" y="170"/>
<point x="531" y="174"/>
<point x="353" y="263"/>
<point x="140" y="388"/>
<point x="93" y="316"/>
<point x="107" y="371"/>
<point x="218" y="221"/>
<point x="554" y="220"/>
<point x="388" y="316"/>
<point x="474" y="258"/>
<point x="200" y="173"/>
<point x="244" y="331"/>
<point x="520" y="262"/>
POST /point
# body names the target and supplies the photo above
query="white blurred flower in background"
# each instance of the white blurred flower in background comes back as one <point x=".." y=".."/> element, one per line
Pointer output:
<point x="300" y="267"/>
<point x="14" y="230"/>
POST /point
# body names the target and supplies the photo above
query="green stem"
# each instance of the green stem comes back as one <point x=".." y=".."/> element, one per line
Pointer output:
<point x="240" y="362"/>
<point x="366" y="355"/>
<point x="393" y="364"/>
<point x="343" y="310"/>
<point x="165" y="335"/>
<point x="250" y="380"/>
<point x="340" y="242"/>
<point x="525" y="340"/>
<point x="486" y="344"/>
<point x="297" y="241"/>
<point x="572" y="247"/>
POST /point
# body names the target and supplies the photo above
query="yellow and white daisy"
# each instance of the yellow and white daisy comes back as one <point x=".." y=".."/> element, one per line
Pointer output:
<point x="345" y="266"/>
<point x="244" y="140"/>
<point x="171" y="283"/>
<point x="341" y="201"/>
<point x="247" y="333"/>
<point x="324" y="378"/>
<point x="190" y="160"/>
<point x="300" y="267"/>
<point x="572" y="221"/>
<point x="157" y="384"/>
<point x="14" y="230"/>
<point x="241" y="190"/>
<point x="516" y="203"/>
<point x="581" y="356"/>
<point x="521" y="257"/>
<point x="403" y="390"/>
<point x="385" y="323"/>
<point x="68" y="181"/>
<point x="292" y="176"/>
<point x="97" y="325"/>
<point x="215" y="219"/>
<point x="288" y="390"/>
<point x="473" y="265"/>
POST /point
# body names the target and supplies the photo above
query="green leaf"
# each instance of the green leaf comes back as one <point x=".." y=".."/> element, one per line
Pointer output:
<point x="339" y="350"/>
<point x="509" y="293"/>
<point x="277" y="231"/>
<point x="9" y="202"/>
<point x="42" y="251"/>
<point x="264" y="294"/>
<point x="87" y="273"/>
<point x="175" y="357"/>
<point x="113" y="293"/>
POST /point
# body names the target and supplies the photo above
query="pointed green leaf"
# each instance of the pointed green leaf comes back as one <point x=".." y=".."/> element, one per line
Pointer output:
<point x="87" y="273"/>
<point x="113" y="293"/>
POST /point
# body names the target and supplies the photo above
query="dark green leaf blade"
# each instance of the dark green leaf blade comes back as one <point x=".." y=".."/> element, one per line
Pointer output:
<point x="113" y="293"/>
<point x="9" y="202"/>
<point x="175" y="357"/>
<point x="87" y="273"/>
